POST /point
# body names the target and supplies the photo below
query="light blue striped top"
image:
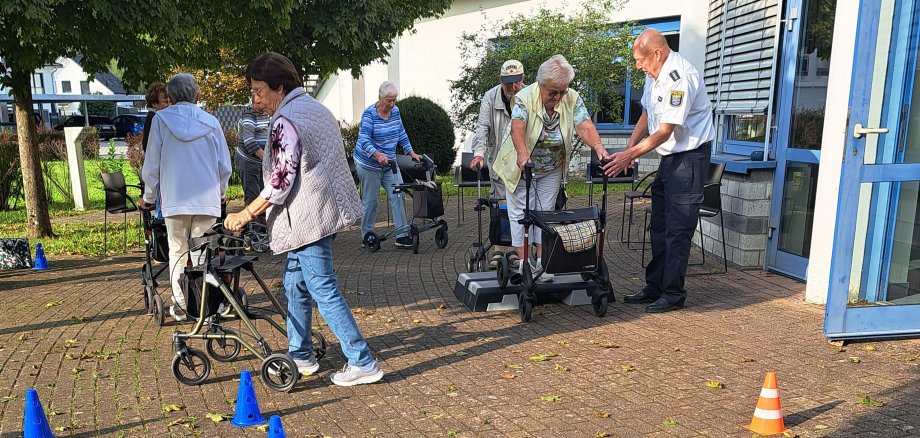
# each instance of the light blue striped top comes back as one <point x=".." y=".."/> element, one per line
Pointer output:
<point x="377" y="134"/>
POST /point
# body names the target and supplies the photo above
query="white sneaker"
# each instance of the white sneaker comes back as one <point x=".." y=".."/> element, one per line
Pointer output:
<point x="307" y="366"/>
<point x="545" y="278"/>
<point x="177" y="314"/>
<point x="352" y="375"/>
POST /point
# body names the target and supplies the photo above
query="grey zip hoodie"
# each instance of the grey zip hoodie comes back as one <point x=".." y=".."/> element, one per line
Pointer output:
<point x="187" y="162"/>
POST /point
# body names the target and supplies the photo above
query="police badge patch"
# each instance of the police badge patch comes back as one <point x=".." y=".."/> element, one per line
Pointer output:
<point x="677" y="98"/>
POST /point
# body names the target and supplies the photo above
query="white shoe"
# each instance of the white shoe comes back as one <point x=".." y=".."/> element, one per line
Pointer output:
<point x="307" y="366"/>
<point x="544" y="278"/>
<point x="352" y="375"/>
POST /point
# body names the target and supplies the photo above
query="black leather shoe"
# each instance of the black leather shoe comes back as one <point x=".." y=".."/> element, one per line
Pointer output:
<point x="639" y="298"/>
<point x="662" y="305"/>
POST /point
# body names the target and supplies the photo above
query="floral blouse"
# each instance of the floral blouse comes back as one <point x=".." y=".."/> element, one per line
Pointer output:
<point x="549" y="152"/>
<point x="284" y="147"/>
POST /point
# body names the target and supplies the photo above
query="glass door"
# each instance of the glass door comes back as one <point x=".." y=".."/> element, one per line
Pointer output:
<point x="803" y="90"/>
<point x="875" y="270"/>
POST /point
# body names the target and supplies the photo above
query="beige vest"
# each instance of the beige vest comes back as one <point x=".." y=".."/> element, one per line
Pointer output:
<point x="505" y="166"/>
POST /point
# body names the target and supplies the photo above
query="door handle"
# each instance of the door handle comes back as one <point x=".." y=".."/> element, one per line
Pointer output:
<point x="859" y="131"/>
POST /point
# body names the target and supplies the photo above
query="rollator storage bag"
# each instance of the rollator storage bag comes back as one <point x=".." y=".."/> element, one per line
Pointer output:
<point x="569" y="240"/>
<point x="159" y="244"/>
<point x="499" y="225"/>
<point x="427" y="202"/>
<point x="15" y="254"/>
<point x="191" y="282"/>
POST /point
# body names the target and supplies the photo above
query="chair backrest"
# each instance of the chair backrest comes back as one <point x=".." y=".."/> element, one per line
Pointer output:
<point x="712" y="191"/>
<point x="467" y="174"/>
<point x="116" y="190"/>
<point x="596" y="175"/>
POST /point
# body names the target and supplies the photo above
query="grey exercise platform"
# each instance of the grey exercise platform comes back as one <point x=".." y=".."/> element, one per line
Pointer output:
<point x="479" y="291"/>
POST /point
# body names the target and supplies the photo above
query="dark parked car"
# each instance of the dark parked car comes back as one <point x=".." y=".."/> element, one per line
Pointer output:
<point x="103" y="124"/>
<point x="12" y="123"/>
<point x="129" y="124"/>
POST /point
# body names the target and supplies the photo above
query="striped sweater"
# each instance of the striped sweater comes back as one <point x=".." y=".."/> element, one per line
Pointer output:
<point x="379" y="135"/>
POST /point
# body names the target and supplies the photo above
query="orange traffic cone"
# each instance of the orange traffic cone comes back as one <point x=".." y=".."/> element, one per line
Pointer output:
<point x="768" y="416"/>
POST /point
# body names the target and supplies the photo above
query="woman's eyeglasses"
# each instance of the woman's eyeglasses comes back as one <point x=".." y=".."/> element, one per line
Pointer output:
<point x="555" y="93"/>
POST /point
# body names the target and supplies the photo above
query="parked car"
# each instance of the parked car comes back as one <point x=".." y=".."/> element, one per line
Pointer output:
<point x="103" y="124"/>
<point x="12" y="123"/>
<point x="129" y="124"/>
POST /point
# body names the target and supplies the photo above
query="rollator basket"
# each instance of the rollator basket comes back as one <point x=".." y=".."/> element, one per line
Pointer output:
<point x="569" y="239"/>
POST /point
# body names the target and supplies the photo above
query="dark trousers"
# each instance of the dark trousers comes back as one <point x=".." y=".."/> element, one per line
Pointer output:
<point x="677" y="193"/>
<point x="251" y="176"/>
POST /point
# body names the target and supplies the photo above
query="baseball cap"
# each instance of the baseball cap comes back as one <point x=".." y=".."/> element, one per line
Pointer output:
<point x="512" y="71"/>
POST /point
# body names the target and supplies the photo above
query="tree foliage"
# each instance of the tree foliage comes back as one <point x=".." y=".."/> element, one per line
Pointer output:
<point x="150" y="38"/>
<point x="599" y="52"/>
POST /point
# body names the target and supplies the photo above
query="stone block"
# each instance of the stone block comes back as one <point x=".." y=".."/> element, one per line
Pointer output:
<point x="752" y="191"/>
<point x="747" y="258"/>
<point x="761" y="175"/>
<point x="732" y="238"/>
<point x="753" y="241"/>
<point x="756" y="208"/>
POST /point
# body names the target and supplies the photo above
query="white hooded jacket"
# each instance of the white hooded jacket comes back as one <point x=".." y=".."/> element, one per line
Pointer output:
<point x="187" y="162"/>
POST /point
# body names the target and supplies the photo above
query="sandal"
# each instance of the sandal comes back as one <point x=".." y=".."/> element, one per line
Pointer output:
<point x="513" y="258"/>
<point x="493" y="264"/>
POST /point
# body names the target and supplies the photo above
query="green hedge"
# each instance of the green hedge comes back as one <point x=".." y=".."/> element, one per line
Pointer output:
<point x="430" y="130"/>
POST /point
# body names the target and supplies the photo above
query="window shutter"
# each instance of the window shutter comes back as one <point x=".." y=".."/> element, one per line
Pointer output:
<point x="739" y="54"/>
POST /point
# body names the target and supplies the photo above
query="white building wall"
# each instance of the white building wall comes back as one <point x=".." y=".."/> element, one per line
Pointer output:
<point x="832" y="146"/>
<point x="425" y="62"/>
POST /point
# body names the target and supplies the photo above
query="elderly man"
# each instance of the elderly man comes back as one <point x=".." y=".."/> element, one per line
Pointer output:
<point x="677" y="123"/>
<point x="188" y="163"/>
<point x="253" y="129"/>
<point x="494" y="120"/>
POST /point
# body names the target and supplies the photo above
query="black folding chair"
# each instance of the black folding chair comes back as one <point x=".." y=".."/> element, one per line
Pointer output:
<point x="116" y="202"/>
<point x="465" y="177"/>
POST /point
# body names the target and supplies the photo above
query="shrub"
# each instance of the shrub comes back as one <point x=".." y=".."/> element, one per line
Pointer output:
<point x="89" y="142"/>
<point x="430" y="130"/>
<point x="51" y="144"/>
<point x="349" y="136"/>
<point x="135" y="152"/>
<point x="10" y="174"/>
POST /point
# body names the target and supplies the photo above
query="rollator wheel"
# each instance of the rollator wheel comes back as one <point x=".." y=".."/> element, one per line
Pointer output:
<point x="148" y="307"/>
<point x="159" y="310"/>
<point x="413" y="232"/>
<point x="191" y="367"/>
<point x="371" y="241"/>
<point x="279" y="372"/>
<point x="472" y="254"/>
<point x="503" y="272"/>
<point x="319" y="345"/>
<point x="224" y="350"/>
<point x="526" y="308"/>
<point x="600" y="305"/>
<point x="440" y="237"/>
<point x="586" y="276"/>
<point x="443" y="224"/>
<point x="527" y="279"/>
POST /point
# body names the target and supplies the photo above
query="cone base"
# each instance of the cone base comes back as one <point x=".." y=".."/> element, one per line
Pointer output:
<point x="758" y="429"/>
<point x="248" y="423"/>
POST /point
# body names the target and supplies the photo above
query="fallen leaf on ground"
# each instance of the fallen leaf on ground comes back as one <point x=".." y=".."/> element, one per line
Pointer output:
<point x="611" y="345"/>
<point x="276" y="283"/>
<point x="442" y="307"/>
<point x="485" y="339"/>
<point x="460" y="353"/>
<point x="172" y="408"/>
<point x="602" y="435"/>
<point x="262" y="428"/>
<point x="508" y="376"/>
<point x="602" y="414"/>
<point x="7" y="398"/>
<point x="184" y="421"/>
<point x="416" y="321"/>
<point x="746" y="359"/>
<point x="715" y="384"/>
<point x="542" y="357"/>
<point x="868" y="401"/>
<point x="821" y="426"/>
<point x="23" y="336"/>
<point x="670" y="422"/>
<point x="217" y="418"/>
<point x="549" y="398"/>
<point x="54" y="303"/>
<point x="561" y="368"/>
<point x="627" y="368"/>
<point x="515" y="366"/>
<point x="854" y="359"/>
<point x="869" y="348"/>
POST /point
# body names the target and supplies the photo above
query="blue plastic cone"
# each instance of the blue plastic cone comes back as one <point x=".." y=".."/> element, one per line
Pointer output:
<point x="34" y="423"/>
<point x="41" y="263"/>
<point x="275" y="430"/>
<point x="247" y="407"/>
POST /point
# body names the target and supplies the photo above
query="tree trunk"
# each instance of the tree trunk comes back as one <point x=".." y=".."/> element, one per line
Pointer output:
<point x="39" y="222"/>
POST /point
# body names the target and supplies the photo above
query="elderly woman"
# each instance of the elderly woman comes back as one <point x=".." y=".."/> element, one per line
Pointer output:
<point x="308" y="201"/>
<point x="545" y="117"/>
<point x="380" y="132"/>
<point x="157" y="99"/>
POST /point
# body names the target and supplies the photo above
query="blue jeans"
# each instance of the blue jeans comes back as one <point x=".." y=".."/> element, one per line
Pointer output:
<point x="371" y="180"/>
<point x="309" y="276"/>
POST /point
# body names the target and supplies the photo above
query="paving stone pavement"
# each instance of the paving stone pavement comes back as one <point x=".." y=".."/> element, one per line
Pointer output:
<point x="79" y="335"/>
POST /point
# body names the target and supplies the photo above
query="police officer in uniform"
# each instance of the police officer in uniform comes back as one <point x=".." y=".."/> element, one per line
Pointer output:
<point x="677" y="123"/>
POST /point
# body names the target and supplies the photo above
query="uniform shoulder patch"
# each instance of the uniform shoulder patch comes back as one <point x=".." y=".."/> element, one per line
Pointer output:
<point x="674" y="75"/>
<point x="677" y="98"/>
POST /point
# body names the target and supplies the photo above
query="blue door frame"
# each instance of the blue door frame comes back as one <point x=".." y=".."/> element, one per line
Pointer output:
<point x="776" y="260"/>
<point x="843" y="321"/>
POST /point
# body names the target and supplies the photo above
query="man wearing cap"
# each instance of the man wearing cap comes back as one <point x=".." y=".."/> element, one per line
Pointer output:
<point x="493" y="123"/>
<point x="677" y="123"/>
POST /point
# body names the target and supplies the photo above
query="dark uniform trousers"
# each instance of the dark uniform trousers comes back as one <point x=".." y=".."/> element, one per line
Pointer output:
<point x="677" y="193"/>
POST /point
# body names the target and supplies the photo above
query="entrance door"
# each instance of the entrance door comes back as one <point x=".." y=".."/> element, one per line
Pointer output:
<point x="800" y="120"/>
<point x="875" y="270"/>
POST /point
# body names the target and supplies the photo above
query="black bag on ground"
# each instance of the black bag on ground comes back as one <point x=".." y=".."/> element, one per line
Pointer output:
<point x="15" y="254"/>
<point x="191" y="282"/>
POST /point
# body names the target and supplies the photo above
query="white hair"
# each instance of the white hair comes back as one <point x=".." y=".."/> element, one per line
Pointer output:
<point x="388" y="89"/>
<point x="182" y="88"/>
<point x="555" y="69"/>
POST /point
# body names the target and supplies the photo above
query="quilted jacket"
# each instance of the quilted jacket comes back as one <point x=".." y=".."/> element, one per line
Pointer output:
<point x="323" y="199"/>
